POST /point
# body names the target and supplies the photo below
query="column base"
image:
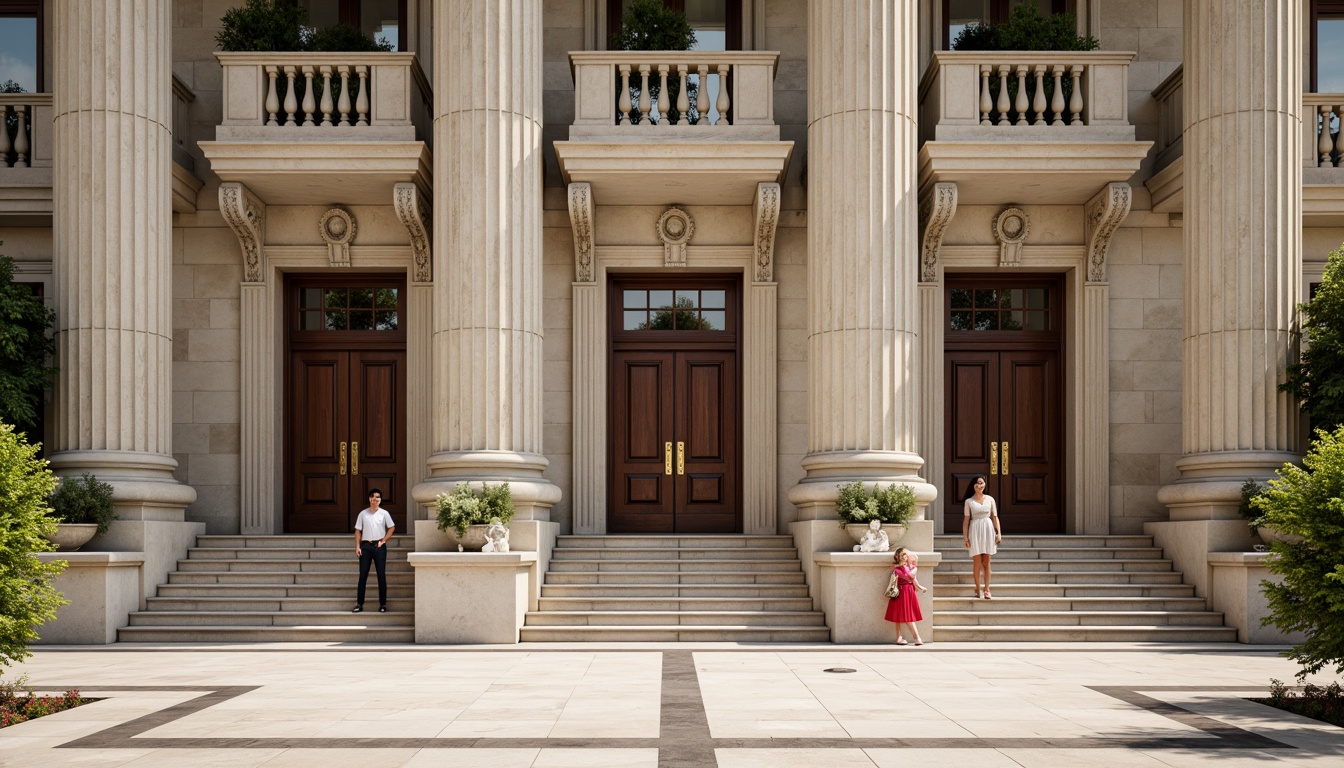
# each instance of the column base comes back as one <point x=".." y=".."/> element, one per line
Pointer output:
<point x="533" y="495"/>
<point x="471" y="597"/>
<point x="851" y="592"/>
<point x="1210" y="484"/>
<point x="815" y="494"/>
<point x="1188" y="543"/>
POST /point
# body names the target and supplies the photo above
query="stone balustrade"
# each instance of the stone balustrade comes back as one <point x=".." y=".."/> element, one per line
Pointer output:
<point x="324" y="97"/>
<point x="1170" y="98"/>
<point x="1025" y="96"/>
<point x="25" y="130"/>
<point x="182" y="98"/>
<point x="619" y="93"/>
<point x="1324" y="145"/>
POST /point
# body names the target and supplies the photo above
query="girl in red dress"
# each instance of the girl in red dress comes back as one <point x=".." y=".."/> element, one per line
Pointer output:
<point x="903" y="609"/>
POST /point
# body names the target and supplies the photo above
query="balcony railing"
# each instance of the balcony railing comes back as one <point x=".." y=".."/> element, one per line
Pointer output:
<point x="1322" y="114"/>
<point x="1170" y="98"/>
<point x="182" y="98"/>
<point x="324" y="97"/>
<point x="1026" y="95"/>
<point x="683" y="94"/>
<point x="25" y="130"/>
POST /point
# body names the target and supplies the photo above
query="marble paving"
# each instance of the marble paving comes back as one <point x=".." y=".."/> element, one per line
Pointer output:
<point x="738" y="706"/>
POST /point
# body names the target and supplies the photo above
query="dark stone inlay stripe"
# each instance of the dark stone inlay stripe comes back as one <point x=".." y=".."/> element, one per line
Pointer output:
<point x="683" y="732"/>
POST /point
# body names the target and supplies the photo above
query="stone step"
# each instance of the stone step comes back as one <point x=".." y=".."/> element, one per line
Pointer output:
<point x="1071" y="578"/>
<point x="253" y="634"/>
<point x="726" y="541"/>
<point x="309" y="541"/>
<point x="674" y="617"/>
<point x="950" y="543"/>
<point x="676" y="634"/>
<point x="274" y="618"/>
<point x="346" y="577"/>
<point x="1060" y="566"/>
<point x="1089" y="634"/>
<point x="346" y="555"/>
<point x="1053" y="554"/>
<point x="1081" y="618"/>
<point x="751" y="554"/>
<point x="1003" y="602"/>
<point x="673" y="566"/>
<point x="348" y="565"/>
<point x="665" y="578"/>
<point x="256" y="603"/>
<point x="674" y="590"/>
<point x="966" y="589"/>
<point x="682" y="604"/>
<point x="344" y="591"/>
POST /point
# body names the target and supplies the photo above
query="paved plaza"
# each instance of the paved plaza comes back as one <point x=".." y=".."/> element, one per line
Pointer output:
<point x="736" y="706"/>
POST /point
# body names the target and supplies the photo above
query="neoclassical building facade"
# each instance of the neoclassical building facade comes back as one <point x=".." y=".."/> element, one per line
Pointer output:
<point x="836" y="251"/>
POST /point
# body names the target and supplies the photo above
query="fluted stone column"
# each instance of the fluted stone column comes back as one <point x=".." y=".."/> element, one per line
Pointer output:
<point x="863" y="402"/>
<point x="487" y="340"/>
<point x="1243" y="254"/>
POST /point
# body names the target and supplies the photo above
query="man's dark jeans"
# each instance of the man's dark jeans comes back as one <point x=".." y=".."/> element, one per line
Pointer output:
<point x="370" y="552"/>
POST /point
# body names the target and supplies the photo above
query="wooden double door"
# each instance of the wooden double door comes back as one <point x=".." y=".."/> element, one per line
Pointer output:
<point x="345" y="403"/>
<point x="1003" y="401"/>
<point x="674" y="417"/>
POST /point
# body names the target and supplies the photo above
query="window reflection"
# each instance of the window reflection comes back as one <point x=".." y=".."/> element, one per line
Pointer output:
<point x="18" y="53"/>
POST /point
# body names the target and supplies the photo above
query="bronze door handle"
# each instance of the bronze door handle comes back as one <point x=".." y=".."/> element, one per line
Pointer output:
<point x="681" y="458"/>
<point x="1005" y="458"/>
<point x="994" y="458"/>
<point x="667" y="458"/>
<point x="354" y="458"/>
<point x="342" y="457"/>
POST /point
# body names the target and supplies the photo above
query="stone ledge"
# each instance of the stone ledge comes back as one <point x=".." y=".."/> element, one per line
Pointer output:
<point x="1242" y="559"/>
<point x="872" y="559"/>
<point x="95" y="559"/>
<point x="470" y="559"/>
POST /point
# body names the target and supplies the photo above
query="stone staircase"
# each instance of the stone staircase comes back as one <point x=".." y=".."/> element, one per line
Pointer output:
<point x="1071" y="588"/>
<point x="263" y="589"/>
<point x="675" y="588"/>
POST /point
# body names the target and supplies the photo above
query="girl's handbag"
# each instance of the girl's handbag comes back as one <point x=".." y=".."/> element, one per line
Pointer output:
<point x="893" y="586"/>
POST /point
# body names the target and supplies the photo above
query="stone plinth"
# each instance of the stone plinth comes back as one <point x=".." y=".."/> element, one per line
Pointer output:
<point x="852" y="593"/>
<point x="103" y="589"/>
<point x="1237" y="592"/>
<point x="471" y="597"/>
<point x="1190" y="543"/>
<point x="535" y="536"/>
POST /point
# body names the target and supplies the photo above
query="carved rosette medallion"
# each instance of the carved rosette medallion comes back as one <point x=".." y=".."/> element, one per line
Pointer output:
<point x="675" y="229"/>
<point x="1011" y="229"/>
<point x="337" y="229"/>
<point x="1104" y="214"/>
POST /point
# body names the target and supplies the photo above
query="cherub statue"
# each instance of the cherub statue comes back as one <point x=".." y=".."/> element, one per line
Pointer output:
<point x="874" y="539"/>
<point x="497" y="537"/>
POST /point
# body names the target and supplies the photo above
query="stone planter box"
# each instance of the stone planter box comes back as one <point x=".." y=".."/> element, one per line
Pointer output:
<point x="69" y="537"/>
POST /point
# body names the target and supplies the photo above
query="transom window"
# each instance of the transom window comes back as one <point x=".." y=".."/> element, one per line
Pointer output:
<point x="348" y="309"/>
<point x="674" y="309"/>
<point x="999" y="309"/>
<point x="1327" y="46"/>
<point x="20" y="46"/>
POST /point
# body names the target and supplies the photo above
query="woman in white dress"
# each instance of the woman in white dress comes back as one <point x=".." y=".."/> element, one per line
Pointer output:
<point x="980" y="532"/>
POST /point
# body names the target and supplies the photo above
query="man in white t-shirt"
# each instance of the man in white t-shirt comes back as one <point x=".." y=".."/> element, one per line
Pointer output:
<point x="373" y="527"/>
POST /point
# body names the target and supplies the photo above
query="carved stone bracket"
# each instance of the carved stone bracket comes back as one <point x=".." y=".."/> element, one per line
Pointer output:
<point x="935" y="214"/>
<point x="766" y="211"/>
<point x="337" y="229"/>
<point x="1011" y="229"/>
<point x="415" y="217"/>
<point x="581" y="221"/>
<point x="675" y="229"/>
<point x="246" y="215"/>
<point x="1104" y="213"/>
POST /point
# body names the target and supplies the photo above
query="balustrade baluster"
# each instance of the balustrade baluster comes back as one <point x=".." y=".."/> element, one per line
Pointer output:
<point x="1323" y="141"/>
<point x="1339" y="137"/>
<point x="662" y="95"/>
<point x="291" y="101"/>
<point x="343" y="102"/>
<point x="643" y="94"/>
<point x="309" y="104"/>
<point x="702" y="95"/>
<point x="327" y="106"/>
<point x="20" y="136"/>
<point x="986" y="103"/>
<point x="725" y="104"/>
<point x="362" y="102"/>
<point x="5" y="146"/>
<point x="683" y="98"/>
<point x="1021" y="103"/>
<point x="623" y="103"/>
<point x="1076" y="98"/>
<point x="272" y="100"/>
<point x="1057" y="100"/>
<point x="1003" y="103"/>
<point x="1038" y="99"/>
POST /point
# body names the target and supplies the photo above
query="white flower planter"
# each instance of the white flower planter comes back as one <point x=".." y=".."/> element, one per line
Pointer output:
<point x="69" y="537"/>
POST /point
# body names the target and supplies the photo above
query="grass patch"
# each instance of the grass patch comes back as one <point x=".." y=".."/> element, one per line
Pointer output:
<point x="1319" y="702"/>
<point x="19" y="704"/>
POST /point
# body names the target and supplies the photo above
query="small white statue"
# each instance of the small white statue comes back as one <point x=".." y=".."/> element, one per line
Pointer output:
<point x="497" y="537"/>
<point x="874" y="539"/>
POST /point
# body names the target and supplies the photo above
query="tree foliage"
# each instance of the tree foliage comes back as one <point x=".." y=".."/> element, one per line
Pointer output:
<point x="267" y="25"/>
<point x="27" y="598"/>
<point x="1026" y="30"/>
<point x="1308" y="502"/>
<point x="1317" y="379"/>
<point x="648" y="25"/>
<point x="25" y="348"/>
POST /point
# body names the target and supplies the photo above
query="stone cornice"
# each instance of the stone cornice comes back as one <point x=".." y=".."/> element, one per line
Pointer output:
<point x="766" y="213"/>
<point x="1104" y="213"/>
<point x="246" y="215"/>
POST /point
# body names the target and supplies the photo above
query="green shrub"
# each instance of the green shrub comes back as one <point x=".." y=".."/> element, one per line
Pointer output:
<point x="892" y="505"/>
<point x="648" y="25"/>
<point x="1250" y="491"/>
<point x="25" y="348"/>
<point x="27" y="598"/>
<point x="262" y="25"/>
<point x="464" y="506"/>
<point x="343" y="38"/>
<point x="83" y="501"/>
<point x="1308" y="502"/>
<point x="1317" y="379"/>
<point x="1026" y="30"/>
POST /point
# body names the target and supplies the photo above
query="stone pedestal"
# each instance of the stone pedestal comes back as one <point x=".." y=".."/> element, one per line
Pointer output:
<point x="1236" y="591"/>
<point x="535" y="536"/>
<point x="1190" y="543"/>
<point x="103" y="589"/>
<point x="851" y="592"/>
<point x="471" y="597"/>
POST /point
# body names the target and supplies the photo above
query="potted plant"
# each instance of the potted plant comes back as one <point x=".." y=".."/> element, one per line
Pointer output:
<point x="469" y="512"/>
<point x="891" y="506"/>
<point x="83" y="507"/>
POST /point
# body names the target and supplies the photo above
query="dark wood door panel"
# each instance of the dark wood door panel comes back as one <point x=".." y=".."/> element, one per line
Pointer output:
<point x="318" y="490"/>
<point x="1029" y="424"/>
<point x="706" y="423"/>
<point x="640" y="494"/>
<point x="377" y="418"/>
<point x="971" y="419"/>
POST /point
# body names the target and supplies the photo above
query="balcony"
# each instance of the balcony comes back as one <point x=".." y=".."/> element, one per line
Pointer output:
<point x="318" y="128"/>
<point x="25" y="159"/>
<point x="710" y="141"/>
<point x="1322" y="155"/>
<point x="1047" y="127"/>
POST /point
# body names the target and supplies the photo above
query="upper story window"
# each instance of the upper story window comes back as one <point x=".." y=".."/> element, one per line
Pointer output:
<point x="717" y="23"/>
<point x="21" y="45"/>
<point x="1327" y="46"/>
<point x="379" y="19"/>
<point x="959" y="14"/>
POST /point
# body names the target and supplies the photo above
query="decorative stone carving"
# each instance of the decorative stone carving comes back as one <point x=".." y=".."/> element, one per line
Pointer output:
<point x="767" y="219"/>
<point x="581" y="221"/>
<point x="337" y="228"/>
<point x="246" y="215"/>
<point x="874" y="539"/>
<point x="1011" y="228"/>
<point x="675" y="229"/>
<point x="939" y="206"/>
<point x="1104" y="213"/>
<point x="415" y="217"/>
<point x="496" y="537"/>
